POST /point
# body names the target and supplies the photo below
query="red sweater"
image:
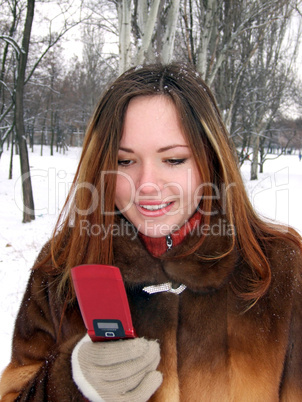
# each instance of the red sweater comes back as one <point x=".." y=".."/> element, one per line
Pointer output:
<point x="158" y="245"/>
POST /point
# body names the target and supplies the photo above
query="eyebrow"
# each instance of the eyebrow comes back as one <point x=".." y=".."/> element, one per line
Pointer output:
<point x="163" y="149"/>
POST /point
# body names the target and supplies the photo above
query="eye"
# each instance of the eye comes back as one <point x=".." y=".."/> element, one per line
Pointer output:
<point x="125" y="162"/>
<point x="176" y="161"/>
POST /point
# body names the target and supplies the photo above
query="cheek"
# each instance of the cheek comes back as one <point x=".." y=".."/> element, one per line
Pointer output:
<point x="125" y="190"/>
<point x="196" y="188"/>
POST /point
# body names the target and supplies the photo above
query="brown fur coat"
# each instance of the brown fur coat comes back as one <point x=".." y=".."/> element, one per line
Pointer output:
<point x="210" y="350"/>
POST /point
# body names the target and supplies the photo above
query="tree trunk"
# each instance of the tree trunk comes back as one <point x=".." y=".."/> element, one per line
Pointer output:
<point x="208" y="32"/>
<point x="124" y="17"/>
<point x="28" y="201"/>
<point x="10" y="175"/>
<point x="169" y="35"/>
<point x="148" y="31"/>
<point x="52" y="133"/>
<point x="254" y="165"/>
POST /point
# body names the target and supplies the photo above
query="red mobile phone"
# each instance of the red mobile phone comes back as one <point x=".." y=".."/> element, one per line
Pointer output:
<point x="103" y="301"/>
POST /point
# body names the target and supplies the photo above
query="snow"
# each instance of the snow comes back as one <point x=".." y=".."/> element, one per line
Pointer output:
<point x="276" y="195"/>
<point x="20" y="243"/>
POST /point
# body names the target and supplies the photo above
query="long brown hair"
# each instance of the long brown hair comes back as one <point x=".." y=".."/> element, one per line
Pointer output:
<point x="93" y="189"/>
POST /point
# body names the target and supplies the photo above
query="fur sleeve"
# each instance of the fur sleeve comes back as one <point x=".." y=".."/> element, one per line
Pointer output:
<point x="291" y="383"/>
<point x="40" y="368"/>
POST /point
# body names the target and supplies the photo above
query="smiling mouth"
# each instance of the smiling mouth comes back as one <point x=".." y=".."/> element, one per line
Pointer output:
<point x="155" y="207"/>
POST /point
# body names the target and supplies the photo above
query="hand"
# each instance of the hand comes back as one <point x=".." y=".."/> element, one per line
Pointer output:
<point x="116" y="371"/>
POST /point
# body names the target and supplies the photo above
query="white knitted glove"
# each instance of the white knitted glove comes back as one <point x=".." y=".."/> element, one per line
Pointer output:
<point x="116" y="371"/>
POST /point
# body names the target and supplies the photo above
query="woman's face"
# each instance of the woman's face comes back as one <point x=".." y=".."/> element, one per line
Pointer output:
<point x="158" y="183"/>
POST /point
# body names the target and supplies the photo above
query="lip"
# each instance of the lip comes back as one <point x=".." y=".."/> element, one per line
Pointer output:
<point x="157" y="212"/>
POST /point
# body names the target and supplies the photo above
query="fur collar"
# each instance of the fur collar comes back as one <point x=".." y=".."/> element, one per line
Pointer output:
<point x="203" y="271"/>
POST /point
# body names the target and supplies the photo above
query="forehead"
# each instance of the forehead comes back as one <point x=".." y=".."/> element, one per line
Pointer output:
<point x="157" y="105"/>
<point x="152" y="117"/>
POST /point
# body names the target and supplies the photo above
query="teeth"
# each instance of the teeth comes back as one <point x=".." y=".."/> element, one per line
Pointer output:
<point x="155" y="207"/>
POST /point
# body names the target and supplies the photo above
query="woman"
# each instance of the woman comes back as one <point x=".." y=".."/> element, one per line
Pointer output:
<point x="214" y="291"/>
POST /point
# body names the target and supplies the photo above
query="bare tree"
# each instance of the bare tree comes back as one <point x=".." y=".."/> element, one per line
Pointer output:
<point x="264" y="86"/>
<point x="8" y="64"/>
<point x="28" y="200"/>
<point x="22" y="73"/>
<point x="146" y="31"/>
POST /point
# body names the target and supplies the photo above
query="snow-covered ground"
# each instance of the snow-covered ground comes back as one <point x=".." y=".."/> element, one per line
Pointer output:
<point x="20" y="243"/>
<point x="277" y="195"/>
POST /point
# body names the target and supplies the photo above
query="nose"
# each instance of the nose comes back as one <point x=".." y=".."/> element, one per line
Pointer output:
<point x="149" y="181"/>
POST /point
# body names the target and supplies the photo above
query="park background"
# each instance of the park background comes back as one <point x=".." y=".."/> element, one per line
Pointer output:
<point x="57" y="57"/>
